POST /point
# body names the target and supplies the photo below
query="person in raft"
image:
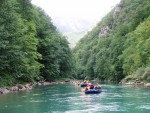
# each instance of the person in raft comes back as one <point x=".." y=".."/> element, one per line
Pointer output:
<point x="89" y="86"/>
<point x="98" y="87"/>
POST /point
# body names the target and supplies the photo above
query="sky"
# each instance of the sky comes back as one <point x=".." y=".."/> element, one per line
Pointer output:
<point x="74" y="16"/>
<point x="76" y="9"/>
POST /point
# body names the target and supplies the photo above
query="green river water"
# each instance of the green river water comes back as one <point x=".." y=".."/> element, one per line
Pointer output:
<point x="68" y="98"/>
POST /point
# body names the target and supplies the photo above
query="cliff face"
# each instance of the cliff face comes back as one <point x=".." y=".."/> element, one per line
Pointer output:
<point x="108" y="52"/>
<point x="104" y="31"/>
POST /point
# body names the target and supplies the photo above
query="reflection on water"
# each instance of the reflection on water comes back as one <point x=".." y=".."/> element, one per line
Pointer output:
<point x="70" y="99"/>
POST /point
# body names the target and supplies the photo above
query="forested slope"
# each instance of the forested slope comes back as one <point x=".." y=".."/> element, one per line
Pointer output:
<point x="119" y="46"/>
<point x="31" y="48"/>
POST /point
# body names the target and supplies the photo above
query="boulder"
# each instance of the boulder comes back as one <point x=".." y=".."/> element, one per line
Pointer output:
<point x="14" y="88"/>
<point x="22" y="88"/>
<point x="28" y="86"/>
<point x="4" y="90"/>
<point x="147" y="84"/>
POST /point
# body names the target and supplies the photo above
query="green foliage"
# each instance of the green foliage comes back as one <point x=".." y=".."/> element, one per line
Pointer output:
<point x="136" y="53"/>
<point x="30" y="46"/>
<point x="142" y="74"/>
<point x="122" y="50"/>
<point x="7" y="80"/>
<point x="56" y="54"/>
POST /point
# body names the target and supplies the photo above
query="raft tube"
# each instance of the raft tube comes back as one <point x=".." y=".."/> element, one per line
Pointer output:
<point x="92" y="91"/>
<point x="83" y="85"/>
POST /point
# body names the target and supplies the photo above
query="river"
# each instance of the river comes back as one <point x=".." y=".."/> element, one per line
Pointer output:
<point x="68" y="98"/>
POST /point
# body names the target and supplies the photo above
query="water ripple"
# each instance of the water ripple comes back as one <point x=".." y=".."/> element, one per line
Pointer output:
<point x="144" y="107"/>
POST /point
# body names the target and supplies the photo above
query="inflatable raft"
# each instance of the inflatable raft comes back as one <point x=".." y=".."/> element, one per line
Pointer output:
<point x="92" y="91"/>
<point x="83" y="85"/>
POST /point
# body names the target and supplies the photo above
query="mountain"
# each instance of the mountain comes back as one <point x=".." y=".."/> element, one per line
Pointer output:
<point x="119" y="46"/>
<point x="74" y="37"/>
<point x="66" y="25"/>
<point x="73" y="28"/>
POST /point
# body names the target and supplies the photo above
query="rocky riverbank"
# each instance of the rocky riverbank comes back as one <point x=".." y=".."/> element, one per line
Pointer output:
<point x="135" y="83"/>
<point x="28" y="86"/>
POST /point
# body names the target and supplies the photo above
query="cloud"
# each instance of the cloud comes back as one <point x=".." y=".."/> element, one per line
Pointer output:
<point x="89" y="9"/>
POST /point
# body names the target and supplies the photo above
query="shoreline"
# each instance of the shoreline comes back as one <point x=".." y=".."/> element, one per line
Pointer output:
<point x="27" y="86"/>
<point x="136" y="84"/>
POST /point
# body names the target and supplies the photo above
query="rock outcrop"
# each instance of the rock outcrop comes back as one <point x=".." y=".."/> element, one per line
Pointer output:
<point x="104" y="31"/>
<point x="116" y="11"/>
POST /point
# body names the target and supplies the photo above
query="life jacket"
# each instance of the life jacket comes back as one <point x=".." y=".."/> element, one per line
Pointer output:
<point x="86" y="88"/>
<point x="91" y="86"/>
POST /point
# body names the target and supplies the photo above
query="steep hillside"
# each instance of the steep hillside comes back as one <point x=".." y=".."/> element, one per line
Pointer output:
<point x="118" y="46"/>
<point x="31" y="48"/>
